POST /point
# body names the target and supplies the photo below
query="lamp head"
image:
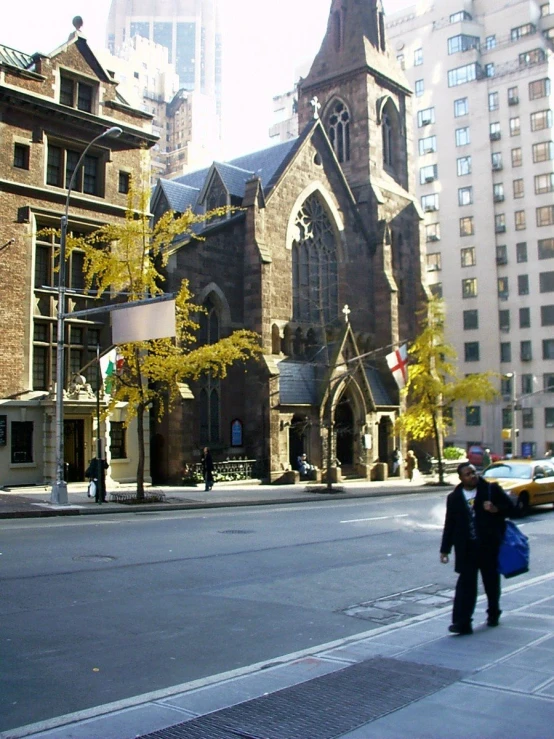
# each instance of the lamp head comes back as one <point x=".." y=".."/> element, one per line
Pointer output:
<point x="114" y="131"/>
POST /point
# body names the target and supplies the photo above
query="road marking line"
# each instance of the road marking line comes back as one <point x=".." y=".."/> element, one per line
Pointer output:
<point x="376" y="518"/>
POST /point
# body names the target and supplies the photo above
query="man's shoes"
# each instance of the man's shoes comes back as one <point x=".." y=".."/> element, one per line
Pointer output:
<point x="493" y="620"/>
<point x="460" y="629"/>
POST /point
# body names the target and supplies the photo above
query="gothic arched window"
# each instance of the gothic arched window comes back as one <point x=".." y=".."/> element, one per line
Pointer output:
<point x="314" y="262"/>
<point x="387" y="141"/>
<point x="339" y="130"/>
<point x="209" y="396"/>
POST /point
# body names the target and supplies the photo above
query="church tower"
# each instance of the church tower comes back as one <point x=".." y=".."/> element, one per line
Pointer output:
<point x="363" y="99"/>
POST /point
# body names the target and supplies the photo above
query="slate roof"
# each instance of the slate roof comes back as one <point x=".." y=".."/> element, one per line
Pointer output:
<point x="378" y="389"/>
<point x="297" y="383"/>
<point x="264" y="164"/>
<point x="179" y="197"/>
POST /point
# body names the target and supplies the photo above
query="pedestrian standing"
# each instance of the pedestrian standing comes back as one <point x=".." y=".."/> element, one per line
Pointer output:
<point x="396" y="462"/>
<point x="411" y="464"/>
<point x="207" y="468"/>
<point x="474" y="525"/>
<point x="96" y="471"/>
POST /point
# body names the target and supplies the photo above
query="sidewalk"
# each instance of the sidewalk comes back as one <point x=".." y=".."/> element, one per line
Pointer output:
<point x="411" y="679"/>
<point x="35" y="501"/>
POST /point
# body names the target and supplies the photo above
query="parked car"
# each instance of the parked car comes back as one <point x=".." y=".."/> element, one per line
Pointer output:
<point x="527" y="482"/>
<point x="476" y="452"/>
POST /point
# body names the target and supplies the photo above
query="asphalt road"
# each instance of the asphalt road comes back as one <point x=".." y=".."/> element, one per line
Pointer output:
<point x="99" y="609"/>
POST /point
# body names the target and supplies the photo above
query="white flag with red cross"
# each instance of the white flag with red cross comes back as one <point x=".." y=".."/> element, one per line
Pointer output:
<point x="398" y="365"/>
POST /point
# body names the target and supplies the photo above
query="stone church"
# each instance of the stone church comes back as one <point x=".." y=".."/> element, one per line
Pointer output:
<point x="321" y="257"/>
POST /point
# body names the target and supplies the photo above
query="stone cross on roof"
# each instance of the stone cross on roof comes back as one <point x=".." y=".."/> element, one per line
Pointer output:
<point x="346" y="310"/>
<point x="314" y="102"/>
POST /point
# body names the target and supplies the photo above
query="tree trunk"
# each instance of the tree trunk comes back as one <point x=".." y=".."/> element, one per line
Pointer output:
<point x="140" y="466"/>
<point x="438" y="446"/>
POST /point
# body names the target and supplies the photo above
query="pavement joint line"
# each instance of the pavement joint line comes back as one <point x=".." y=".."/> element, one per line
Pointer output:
<point x="165" y="693"/>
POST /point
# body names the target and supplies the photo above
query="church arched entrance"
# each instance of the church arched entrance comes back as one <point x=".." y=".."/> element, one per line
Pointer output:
<point x="385" y="439"/>
<point x="297" y="440"/>
<point x="344" y="429"/>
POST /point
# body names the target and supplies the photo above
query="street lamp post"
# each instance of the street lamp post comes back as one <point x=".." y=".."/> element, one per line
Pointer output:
<point x="59" y="486"/>
<point x="513" y="403"/>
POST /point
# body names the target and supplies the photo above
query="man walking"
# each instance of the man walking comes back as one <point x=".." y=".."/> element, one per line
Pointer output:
<point x="474" y="526"/>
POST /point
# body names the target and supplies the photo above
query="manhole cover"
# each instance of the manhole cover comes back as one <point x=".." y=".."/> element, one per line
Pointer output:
<point x="237" y="531"/>
<point x="94" y="558"/>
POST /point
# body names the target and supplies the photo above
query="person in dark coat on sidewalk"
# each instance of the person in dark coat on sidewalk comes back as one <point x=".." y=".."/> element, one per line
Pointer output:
<point x="207" y="468"/>
<point x="97" y="471"/>
<point x="474" y="525"/>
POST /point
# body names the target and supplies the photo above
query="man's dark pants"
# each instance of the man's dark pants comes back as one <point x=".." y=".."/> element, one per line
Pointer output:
<point x="482" y="560"/>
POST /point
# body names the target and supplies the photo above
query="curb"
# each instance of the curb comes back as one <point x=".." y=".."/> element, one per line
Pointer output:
<point x="157" y="507"/>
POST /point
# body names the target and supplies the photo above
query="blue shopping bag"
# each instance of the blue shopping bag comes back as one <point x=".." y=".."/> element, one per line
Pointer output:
<point x="513" y="557"/>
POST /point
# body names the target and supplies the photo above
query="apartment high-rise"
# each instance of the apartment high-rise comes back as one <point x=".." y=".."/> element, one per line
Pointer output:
<point x="189" y="29"/>
<point x="482" y="76"/>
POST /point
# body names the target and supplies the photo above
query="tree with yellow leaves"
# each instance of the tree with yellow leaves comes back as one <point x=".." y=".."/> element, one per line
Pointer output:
<point x="434" y="385"/>
<point x="127" y="260"/>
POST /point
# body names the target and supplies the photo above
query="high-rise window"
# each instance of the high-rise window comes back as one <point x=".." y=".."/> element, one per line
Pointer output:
<point x="502" y="287"/>
<point x="418" y="57"/>
<point x="523" y="284"/>
<point x="471" y="351"/>
<point x="461" y="75"/>
<point x="521" y="252"/>
<point x="539" y="89"/>
<point x="525" y="317"/>
<point x="544" y="183"/>
<point x="496" y="161"/>
<point x="546" y="248"/>
<point x="471" y="320"/>
<point x="427" y="145"/>
<point x="425" y="117"/>
<point x="517" y="159"/>
<point x="466" y="226"/>
<point x="463" y="166"/>
<point x="515" y="126"/>
<point x="504" y="320"/>
<point x="493" y="101"/>
<point x="467" y="256"/>
<point x="546" y="282"/>
<point x="428" y="173"/>
<point x="494" y="131"/>
<point x="519" y="220"/>
<point x="462" y="136"/>
<point x="518" y="188"/>
<point x="469" y="287"/>
<point x="505" y="351"/>
<point x="473" y="415"/>
<point x="430" y="203"/>
<point x="541" y="119"/>
<point x="498" y="192"/>
<point x="547" y="315"/>
<point x="490" y="42"/>
<point x="419" y="88"/>
<point x="545" y="215"/>
<point x="465" y="195"/>
<point x="462" y="42"/>
<point x="543" y="151"/>
<point x="461" y="107"/>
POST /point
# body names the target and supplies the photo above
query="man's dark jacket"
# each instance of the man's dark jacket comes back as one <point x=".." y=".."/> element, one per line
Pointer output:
<point x="489" y="526"/>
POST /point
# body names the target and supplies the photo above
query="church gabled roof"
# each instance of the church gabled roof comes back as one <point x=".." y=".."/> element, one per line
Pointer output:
<point x="179" y="197"/>
<point x="265" y="164"/>
<point x="297" y="382"/>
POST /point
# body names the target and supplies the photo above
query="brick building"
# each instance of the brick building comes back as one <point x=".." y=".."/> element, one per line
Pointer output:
<point x="326" y="220"/>
<point x="51" y="107"/>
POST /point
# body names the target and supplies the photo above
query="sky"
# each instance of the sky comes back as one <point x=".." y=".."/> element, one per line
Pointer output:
<point x="264" y="44"/>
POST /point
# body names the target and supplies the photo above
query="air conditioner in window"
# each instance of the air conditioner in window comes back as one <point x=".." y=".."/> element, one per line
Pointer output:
<point x="513" y="100"/>
<point x="425" y="121"/>
<point x="430" y="208"/>
<point x="497" y="166"/>
<point x="429" y="150"/>
<point x="500" y="229"/>
<point x="499" y="198"/>
<point x="430" y="178"/>
<point x="494" y="135"/>
<point x="433" y="237"/>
